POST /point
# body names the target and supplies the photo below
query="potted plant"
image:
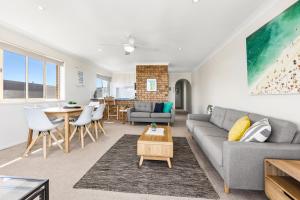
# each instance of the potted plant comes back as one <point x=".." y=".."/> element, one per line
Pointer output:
<point x="72" y="104"/>
<point x="153" y="126"/>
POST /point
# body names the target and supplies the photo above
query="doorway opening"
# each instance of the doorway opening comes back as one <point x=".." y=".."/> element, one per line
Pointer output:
<point x="183" y="100"/>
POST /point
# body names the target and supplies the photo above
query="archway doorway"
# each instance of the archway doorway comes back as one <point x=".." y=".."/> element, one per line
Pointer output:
<point x="183" y="93"/>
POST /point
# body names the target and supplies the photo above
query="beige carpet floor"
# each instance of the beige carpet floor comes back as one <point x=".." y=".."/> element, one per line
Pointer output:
<point x="64" y="170"/>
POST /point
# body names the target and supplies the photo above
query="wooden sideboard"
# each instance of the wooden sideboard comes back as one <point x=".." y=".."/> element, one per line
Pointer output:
<point x="282" y="179"/>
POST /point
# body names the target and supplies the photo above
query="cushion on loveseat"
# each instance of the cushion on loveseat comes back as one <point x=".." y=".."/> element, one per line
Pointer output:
<point x="282" y="131"/>
<point x="160" y="115"/>
<point x="218" y="116"/>
<point x="296" y="139"/>
<point x="158" y="107"/>
<point x="141" y="106"/>
<point x="231" y="117"/>
<point x="140" y="114"/>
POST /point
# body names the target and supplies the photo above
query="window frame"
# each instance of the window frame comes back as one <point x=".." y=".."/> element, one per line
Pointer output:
<point x="7" y="47"/>
<point x="104" y="78"/>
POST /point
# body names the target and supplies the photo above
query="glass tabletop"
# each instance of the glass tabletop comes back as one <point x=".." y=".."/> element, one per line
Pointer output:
<point x="16" y="188"/>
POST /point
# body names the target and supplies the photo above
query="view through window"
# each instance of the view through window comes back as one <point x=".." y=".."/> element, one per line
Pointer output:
<point x="14" y="75"/>
<point x="103" y="85"/>
<point x="28" y="77"/>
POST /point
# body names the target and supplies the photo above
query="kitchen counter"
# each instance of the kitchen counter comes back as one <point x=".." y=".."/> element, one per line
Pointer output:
<point x="120" y="103"/>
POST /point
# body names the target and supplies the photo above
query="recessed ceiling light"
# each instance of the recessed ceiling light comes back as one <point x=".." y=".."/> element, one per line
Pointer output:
<point x="195" y="1"/>
<point x="41" y="8"/>
<point x="180" y="49"/>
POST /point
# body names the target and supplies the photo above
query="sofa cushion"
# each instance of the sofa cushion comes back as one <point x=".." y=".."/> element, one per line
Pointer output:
<point x="296" y="139"/>
<point x="140" y="114"/>
<point x="282" y="131"/>
<point x="210" y="131"/>
<point x="158" y="107"/>
<point x="213" y="147"/>
<point x="168" y="107"/>
<point x="218" y="116"/>
<point x="231" y="117"/>
<point x="141" y="106"/>
<point x="160" y="115"/>
<point x="191" y="124"/>
<point x="239" y="128"/>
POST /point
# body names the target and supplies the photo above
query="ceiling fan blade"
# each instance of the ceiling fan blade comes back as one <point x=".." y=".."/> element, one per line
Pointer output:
<point x="147" y="48"/>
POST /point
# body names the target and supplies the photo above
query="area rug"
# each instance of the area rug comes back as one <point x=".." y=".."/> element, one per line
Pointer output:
<point x="117" y="170"/>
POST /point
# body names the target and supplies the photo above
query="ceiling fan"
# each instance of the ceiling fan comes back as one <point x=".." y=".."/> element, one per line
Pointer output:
<point x="129" y="46"/>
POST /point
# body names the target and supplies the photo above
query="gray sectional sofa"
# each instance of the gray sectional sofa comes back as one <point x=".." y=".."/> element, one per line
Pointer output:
<point x="144" y="112"/>
<point x="241" y="164"/>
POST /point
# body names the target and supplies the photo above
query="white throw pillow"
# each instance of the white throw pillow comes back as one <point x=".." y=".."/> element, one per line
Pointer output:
<point x="259" y="132"/>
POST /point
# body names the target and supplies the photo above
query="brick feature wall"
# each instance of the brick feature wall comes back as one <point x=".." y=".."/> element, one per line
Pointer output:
<point x="158" y="72"/>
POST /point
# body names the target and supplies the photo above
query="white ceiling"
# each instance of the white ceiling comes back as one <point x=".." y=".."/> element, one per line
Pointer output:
<point x="80" y="26"/>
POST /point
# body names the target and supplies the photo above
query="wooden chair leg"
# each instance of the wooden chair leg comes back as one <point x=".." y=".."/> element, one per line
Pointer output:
<point x="29" y="139"/>
<point x="31" y="145"/>
<point x="89" y="133"/>
<point x="55" y="139"/>
<point x="73" y="133"/>
<point x="82" y="137"/>
<point x="45" y="145"/>
<point x="101" y="127"/>
<point x="49" y="142"/>
<point x="226" y="189"/>
<point x="60" y="134"/>
<point x="96" y="129"/>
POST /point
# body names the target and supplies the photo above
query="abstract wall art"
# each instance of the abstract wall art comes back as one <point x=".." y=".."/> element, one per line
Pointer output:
<point x="273" y="55"/>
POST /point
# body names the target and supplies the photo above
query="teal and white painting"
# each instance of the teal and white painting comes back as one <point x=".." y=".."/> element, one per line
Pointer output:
<point x="151" y="85"/>
<point x="273" y="55"/>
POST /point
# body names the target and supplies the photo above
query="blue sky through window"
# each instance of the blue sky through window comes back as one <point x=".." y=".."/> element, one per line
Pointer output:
<point x="51" y="74"/>
<point x="35" y="71"/>
<point x="14" y="67"/>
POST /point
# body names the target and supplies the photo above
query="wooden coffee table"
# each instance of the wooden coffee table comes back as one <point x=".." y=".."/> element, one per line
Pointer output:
<point x="152" y="147"/>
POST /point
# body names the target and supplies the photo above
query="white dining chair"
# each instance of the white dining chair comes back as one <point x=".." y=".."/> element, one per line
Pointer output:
<point x="95" y="104"/>
<point x="54" y="120"/>
<point x="82" y="122"/>
<point x="38" y="121"/>
<point x="97" y="116"/>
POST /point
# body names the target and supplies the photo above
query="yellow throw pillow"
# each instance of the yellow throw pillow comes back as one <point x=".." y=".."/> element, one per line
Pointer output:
<point x="239" y="128"/>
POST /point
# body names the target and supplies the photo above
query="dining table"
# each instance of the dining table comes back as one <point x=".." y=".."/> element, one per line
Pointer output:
<point x="66" y="114"/>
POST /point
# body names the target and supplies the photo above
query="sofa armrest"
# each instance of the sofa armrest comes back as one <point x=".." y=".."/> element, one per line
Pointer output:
<point x="199" y="117"/>
<point x="172" y="115"/>
<point x="129" y="111"/>
<point x="243" y="162"/>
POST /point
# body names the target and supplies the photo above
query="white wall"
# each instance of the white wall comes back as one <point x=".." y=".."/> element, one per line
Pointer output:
<point x="222" y="80"/>
<point x="12" y="121"/>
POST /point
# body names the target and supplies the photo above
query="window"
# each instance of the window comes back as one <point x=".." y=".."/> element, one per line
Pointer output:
<point x="102" y="85"/>
<point x="35" y="78"/>
<point x="52" y="81"/>
<point x="14" y="75"/>
<point x="27" y="75"/>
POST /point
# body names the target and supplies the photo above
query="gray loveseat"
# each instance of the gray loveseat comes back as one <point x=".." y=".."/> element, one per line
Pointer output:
<point x="144" y="112"/>
<point x="241" y="164"/>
